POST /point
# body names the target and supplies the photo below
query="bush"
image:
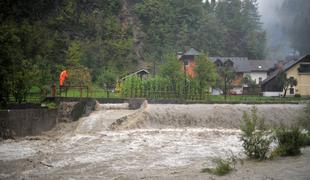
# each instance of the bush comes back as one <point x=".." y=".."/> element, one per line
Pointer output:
<point x="290" y="141"/>
<point x="255" y="136"/>
<point x="297" y="96"/>
<point x="222" y="168"/>
<point x="49" y="105"/>
<point x="79" y="76"/>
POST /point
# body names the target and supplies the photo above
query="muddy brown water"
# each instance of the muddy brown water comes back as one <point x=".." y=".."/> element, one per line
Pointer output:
<point x="154" y="142"/>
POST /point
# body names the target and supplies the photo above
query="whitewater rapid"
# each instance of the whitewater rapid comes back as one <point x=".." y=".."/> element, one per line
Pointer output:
<point x="154" y="141"/>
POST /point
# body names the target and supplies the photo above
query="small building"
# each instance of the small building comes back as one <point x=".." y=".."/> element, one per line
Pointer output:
<point x="188" y="61"/>
<point x="298" y="69"/>
<point x="142" y="73"/>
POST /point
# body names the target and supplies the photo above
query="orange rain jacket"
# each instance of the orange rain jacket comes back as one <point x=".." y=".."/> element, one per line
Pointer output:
<point x="62" y="77"/>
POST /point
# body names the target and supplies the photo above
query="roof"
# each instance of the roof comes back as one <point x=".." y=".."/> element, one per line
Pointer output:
<point x="137" y="72"/>
<point x="241" y="64"/>
<point x="191" y="52"/>
<point x="262" y="65"/>
<point x="285" y="67"/>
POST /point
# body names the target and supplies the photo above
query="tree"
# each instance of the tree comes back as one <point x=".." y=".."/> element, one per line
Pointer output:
<point x="205" y="73"/>
<point x="249" y="83"/>
<point x="210" y="36"/>
<point x="78" y="75"/>
<point x="74" y="55"/>
<point x="171" y="69"/>
<point x="50" y="35"/>
<point x="21" y="45"/>
<point x="107" y="80"/>
<point x="242" y="22"/>
<point x="285" y="83"/>
<point x="255" y="38"/>
<point x="23" y="79"/>
<point x="227" y="74"/>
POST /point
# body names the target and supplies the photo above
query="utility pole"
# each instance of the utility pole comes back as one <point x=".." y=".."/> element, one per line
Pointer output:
<point x="185" y="83"/>
<point x="225" y="87"/>
<point x="154" y="68"/>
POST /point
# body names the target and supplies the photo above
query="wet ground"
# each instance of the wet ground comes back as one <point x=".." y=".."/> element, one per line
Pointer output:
<point x="89" y="150"/>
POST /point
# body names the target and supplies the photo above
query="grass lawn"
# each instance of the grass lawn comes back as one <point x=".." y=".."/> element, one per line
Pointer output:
<point x="258" y="99"/>
<point x="94" y="92"/>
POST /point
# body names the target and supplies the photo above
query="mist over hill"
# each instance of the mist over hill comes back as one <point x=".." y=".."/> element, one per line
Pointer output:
<point x="287" y="24"/>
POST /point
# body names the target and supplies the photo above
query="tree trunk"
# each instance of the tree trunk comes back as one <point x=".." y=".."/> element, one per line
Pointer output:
<point x="285" y="90"/>
<point x="108" y="94"/>
<point x="225" y="88"/>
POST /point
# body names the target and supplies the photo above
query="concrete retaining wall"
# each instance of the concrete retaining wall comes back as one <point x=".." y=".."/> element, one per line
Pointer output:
<point x="72" y="111"/>
<point x="34" y="121"/>
<point x="26" y="122"/>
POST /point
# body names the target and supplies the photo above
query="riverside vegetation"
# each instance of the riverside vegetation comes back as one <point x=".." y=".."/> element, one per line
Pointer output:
<point x="223" y="166"/>
<point x="257" y="138"/>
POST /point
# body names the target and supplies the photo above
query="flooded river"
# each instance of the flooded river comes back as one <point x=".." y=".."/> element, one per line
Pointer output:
<point x="155" y="142"/>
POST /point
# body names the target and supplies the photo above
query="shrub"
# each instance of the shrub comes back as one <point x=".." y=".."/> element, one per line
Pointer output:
<point x="79" y="76"/>
<point x="131" y="87"/>
<point x="290" y="141"/>
<point x="255" y="136"/>
<point x="49" y="105"/>
<point x="107" y="80"/>
<point x="297" y="96"/>
<point x="222" y="168"/>
<point x="52" y="105"/>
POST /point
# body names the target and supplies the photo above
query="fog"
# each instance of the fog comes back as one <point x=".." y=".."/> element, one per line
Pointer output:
<point x="278" y="45"/>
<point x="275" y="20"/>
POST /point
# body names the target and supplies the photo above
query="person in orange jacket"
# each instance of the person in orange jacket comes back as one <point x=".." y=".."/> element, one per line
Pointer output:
<point x="62" y="77"/>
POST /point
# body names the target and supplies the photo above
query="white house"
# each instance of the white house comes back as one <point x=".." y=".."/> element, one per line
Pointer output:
<point x="258" y="70"/>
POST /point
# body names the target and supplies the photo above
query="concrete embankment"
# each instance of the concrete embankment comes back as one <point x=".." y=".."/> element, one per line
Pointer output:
<point x="26" y="122"/>
<point x="34" y="120"/>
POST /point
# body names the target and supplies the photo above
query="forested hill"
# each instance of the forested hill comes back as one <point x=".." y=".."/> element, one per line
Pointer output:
<point x="220" y="28"/>
<point x="120" y="35"/>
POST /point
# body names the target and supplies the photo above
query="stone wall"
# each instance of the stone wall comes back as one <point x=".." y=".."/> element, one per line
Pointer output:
<point x="72" y="111"/>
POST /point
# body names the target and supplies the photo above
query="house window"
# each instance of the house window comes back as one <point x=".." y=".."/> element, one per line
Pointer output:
<point x="229" y="63"/>
<point x="260" y="80"/>
<point x="292" y="91"/>
<point x="185" y="62"/>
<point x="304" y="68"/>
<point x="218" y="63"/>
